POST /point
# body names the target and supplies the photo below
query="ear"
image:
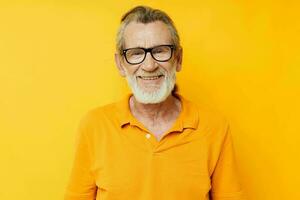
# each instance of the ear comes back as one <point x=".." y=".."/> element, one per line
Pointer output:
<point x="178" y="58"/>
<point x="118" y="61"/>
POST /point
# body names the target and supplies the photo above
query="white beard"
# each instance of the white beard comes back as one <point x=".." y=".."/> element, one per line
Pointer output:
<point x="156" y="96"/>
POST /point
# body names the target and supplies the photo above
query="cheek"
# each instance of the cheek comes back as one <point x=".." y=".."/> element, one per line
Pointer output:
<point x="130" y="69"/>
<point x="168" y="67"/>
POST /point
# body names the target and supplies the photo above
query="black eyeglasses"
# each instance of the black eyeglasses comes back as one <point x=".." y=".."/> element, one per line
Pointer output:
<point x="161" y="53"/>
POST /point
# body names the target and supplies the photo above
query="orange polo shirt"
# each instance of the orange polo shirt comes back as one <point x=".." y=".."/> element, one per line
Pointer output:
<point x="117" y="158"/>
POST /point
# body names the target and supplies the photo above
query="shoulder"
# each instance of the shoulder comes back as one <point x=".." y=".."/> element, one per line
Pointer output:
<point x="206" y="113"/>
<point x="210" y="120"/>
<point x="98" y="115"/>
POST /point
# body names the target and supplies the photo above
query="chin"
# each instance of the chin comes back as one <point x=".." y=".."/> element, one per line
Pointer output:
<point x="151" y="97"/>
<point x="152" y="94"/>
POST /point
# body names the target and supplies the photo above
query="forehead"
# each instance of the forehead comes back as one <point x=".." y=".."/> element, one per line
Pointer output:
<point x="146" y="35"/>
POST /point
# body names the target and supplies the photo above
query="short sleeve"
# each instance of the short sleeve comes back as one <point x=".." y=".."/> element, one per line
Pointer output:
<point x="225" y="181"/>
<point x="81" y="185"/>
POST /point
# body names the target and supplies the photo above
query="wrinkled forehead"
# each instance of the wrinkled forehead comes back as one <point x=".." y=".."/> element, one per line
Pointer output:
<point x="146" y="35"/>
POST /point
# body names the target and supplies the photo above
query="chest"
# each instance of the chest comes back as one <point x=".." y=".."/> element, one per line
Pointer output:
<point x="179" y="169"/>
<point x="158" y="129"/>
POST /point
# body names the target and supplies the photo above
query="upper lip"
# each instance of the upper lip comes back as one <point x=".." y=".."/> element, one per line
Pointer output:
<point x="150" y="76"/>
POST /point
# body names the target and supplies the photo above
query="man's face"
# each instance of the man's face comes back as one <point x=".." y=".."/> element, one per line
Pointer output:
<point x="150" y="81"/>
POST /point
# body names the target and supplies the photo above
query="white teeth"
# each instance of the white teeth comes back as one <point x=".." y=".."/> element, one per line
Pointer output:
<point x="149" y="77"/>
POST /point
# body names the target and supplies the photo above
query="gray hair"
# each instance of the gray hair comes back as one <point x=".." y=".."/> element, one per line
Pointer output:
<point x="145" y="14"/>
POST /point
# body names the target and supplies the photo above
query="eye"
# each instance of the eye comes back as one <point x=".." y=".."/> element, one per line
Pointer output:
<point x="162" y="49"/>
<point x="157" y="51"/>
<point x="135" y="52"/>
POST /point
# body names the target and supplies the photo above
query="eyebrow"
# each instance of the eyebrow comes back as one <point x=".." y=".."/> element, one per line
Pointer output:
<point x="147" y="47"/>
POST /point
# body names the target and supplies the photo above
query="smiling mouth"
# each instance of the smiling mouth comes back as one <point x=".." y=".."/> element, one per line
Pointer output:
<point x="150" y="77"/>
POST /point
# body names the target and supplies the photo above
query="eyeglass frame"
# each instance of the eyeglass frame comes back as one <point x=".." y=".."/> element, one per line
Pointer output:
<point x="146" y="50"/>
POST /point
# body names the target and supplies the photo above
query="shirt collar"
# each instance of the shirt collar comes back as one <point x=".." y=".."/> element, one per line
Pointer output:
<point x="188" y="117"/>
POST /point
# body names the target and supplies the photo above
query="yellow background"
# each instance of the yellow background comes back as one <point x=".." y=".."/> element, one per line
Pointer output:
<point x="56" y="62"/>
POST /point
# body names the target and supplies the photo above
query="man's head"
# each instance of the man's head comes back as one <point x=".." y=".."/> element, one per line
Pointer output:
<point x="148" y="53"/>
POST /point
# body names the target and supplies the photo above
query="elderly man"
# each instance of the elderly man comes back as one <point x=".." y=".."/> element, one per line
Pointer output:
<point x="154" y="144"/>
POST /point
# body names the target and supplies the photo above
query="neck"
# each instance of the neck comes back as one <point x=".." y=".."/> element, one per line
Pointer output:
<point x="160" y="111"/>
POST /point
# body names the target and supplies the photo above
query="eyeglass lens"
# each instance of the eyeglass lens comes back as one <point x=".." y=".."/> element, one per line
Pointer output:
<point x="137" y="55"/>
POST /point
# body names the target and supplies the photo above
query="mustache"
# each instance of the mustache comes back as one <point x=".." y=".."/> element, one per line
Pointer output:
<point x="156" y="73"/>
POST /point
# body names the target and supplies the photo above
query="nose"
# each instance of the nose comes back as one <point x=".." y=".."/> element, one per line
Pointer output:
<point x="149" y="63"/>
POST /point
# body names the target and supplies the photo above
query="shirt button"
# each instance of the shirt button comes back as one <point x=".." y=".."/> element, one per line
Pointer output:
<point x="148" y="135"/>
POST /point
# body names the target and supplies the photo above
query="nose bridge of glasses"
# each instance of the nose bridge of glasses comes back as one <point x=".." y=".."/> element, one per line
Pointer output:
<point x="149" y="50"/>
<point x="148" y="63"/>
